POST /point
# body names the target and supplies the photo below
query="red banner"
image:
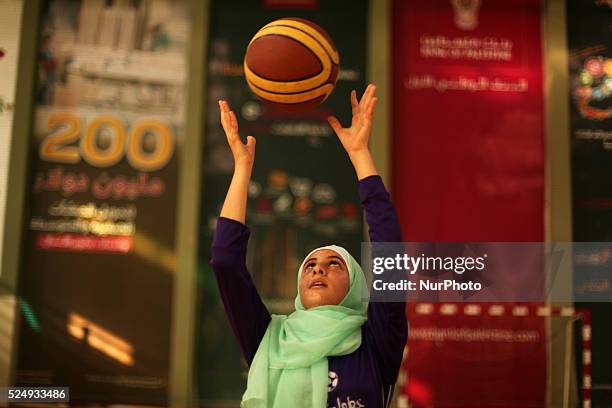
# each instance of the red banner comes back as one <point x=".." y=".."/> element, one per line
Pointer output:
<point x="468" y="165"/>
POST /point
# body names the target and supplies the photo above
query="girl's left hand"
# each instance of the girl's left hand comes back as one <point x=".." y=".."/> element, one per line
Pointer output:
<point x="355" y="138"/>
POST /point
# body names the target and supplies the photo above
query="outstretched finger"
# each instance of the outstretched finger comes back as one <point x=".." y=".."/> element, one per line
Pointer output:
<point x="335" y="124"/>
<point x="225" y="108"/>
<point x="222" y="116"/>
<point x="233" y="123"/>
<point x="354" y="103"/>
<point x="225" y="114"/>
<point x="367" y="96"/>
<point x="370" y="108"/>
<point x="368" y="104"/>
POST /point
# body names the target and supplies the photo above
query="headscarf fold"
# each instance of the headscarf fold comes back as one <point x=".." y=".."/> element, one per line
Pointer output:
<point x="290" y="366"/>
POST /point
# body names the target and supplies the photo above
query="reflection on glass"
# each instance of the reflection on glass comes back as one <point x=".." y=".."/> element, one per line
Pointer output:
<point x="100" y="339"/>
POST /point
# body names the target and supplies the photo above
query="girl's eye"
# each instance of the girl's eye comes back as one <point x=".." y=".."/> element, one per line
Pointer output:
<point x="310" y="265"/>
<point x="334" y="263"/>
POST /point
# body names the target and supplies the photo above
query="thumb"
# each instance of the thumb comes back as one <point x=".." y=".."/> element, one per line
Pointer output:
<point x="251" y="142"/>
<point x="333" y="122"/>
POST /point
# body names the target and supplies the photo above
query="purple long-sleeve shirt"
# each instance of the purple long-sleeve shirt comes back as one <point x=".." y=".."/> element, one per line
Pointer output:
<point x="364" y="378"/>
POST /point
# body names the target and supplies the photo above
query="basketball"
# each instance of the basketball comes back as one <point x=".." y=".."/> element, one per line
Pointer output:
<point x="292" y="63"/>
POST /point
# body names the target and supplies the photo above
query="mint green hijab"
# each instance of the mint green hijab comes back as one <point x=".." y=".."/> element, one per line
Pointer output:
<point x="290" y="366"/>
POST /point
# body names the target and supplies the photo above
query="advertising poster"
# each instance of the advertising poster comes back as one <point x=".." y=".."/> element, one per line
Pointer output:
<point x="96" y="280"/>
<point x="468" y="166"/>
<point x="590" y="75"/>
<point x="303" y="192"/>
<point x="10" y="32"/>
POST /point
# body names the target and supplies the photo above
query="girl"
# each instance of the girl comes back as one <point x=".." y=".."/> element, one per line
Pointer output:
<point x="334" y="350"/>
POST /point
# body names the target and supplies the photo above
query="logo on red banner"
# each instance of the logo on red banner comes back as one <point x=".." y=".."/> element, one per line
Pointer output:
<point x="466" y="13"/>
<point x="83" y="243"/>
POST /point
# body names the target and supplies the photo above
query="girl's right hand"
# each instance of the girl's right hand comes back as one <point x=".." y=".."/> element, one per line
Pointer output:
<point x="244" y="154"/>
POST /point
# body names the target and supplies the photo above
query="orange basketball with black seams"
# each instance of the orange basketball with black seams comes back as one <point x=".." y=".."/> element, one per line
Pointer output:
<point x="293" y="63"/>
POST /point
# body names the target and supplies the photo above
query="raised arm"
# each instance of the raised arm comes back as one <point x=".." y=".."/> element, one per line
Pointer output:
<point x="355" y="139"/>
<point x="386" y="324"/>
<point x="246" y="312"/>
<point x="234" y="206"/>
<point x="380" y="213"/>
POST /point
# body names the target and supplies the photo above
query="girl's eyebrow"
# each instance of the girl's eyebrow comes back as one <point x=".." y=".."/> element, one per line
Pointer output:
<point x="337" y="257"/>
<point x="314" y="258"/>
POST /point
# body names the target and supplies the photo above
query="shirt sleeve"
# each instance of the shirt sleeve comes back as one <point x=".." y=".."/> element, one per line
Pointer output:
<point x="387" y="324"/>
<point x="248" y="316"/>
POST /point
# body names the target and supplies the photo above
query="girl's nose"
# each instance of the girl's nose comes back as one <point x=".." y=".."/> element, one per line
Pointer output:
<point x="318" y="269"/>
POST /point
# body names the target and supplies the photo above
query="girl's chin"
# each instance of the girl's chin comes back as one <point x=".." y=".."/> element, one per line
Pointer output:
<point x="316" y="299"/>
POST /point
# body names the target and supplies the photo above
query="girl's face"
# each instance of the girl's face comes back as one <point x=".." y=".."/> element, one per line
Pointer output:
<point x="324" y="280"/>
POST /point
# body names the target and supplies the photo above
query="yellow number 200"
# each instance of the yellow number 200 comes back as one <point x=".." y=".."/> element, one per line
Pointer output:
<point x="66" y="129"/>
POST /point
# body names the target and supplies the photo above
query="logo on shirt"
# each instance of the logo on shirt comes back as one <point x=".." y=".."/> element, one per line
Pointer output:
<point x="350" y="403"/>
<point x="332" y="381"/>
